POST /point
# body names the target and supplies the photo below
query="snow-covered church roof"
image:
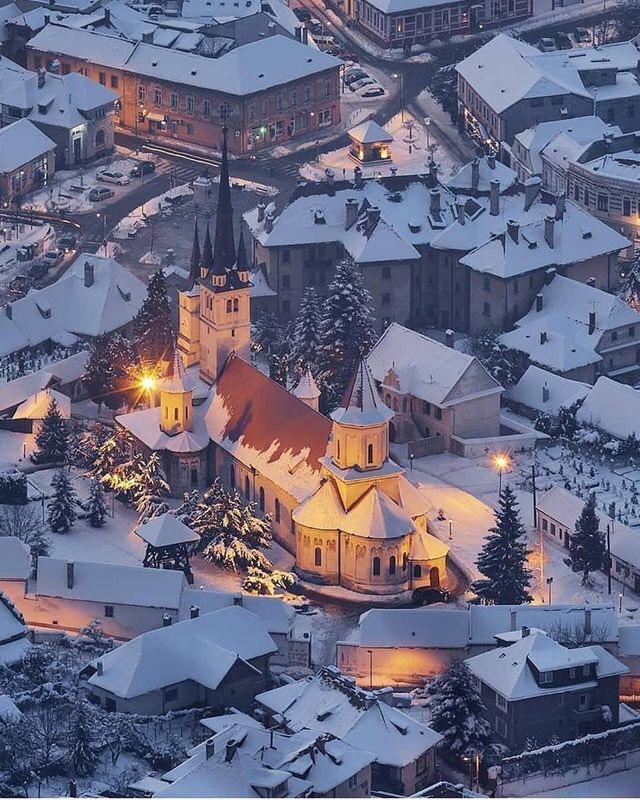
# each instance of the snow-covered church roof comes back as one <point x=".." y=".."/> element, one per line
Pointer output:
<point x="362" y="405"/>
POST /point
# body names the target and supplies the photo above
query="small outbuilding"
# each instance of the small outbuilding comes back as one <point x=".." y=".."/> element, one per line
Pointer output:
<point x="370" y="143"/>
<point x="168" y="541"/>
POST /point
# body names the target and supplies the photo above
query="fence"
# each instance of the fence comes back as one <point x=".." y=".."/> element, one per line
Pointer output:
<point x="419" y="448"/>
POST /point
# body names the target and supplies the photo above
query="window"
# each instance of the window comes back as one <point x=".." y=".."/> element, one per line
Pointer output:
<point x="376" y="565"/>
<point x="191" y="104"/>
<point x="486" y="284"/>
<point x="353" y="781"/>
<point x="327" y="88"/>
<point x="546" y="677"/>
<point x="261" y="501"/>
<point x="286" y="281"/>
<point x="501" y="702"/>
<point x="170" y="695"/>
<point x="108" y="611"/>
<point x="157" y="97"/>
<point x="603" y="202"/>
<point x="404" y="562"/>
<point x="545" y="524"/>
<point x="175" y="414"/>
<point x="236" y="306"/>
<point x="586" y="670"/>
<point x="317" y="557"/>
<point x="632" y="330"/>
<point x="277" y="510"/>
<point x="102" y="78"/>
<point x="583" y="702"/>
<point x="100" y="139"/>
<point x="585" y="199"/>
<point x="386" y="273"/>
<point x="626" y="207"/>
<point x="614" y="336"/>
<point x="206" y="109"/>
<point x="572" y="673"/>
<point x="307" y="94"/>
<point x="437" y="413"/>
<point x="553" y="529"/>
<point x="392" y="565"/>
<point x="247" y="491"/>
<point x="369" y="454"/>
<point x="286" y="256"/>
<point x="486" y="310"/>
<point x="417" y="571"/>
<point x="229" y="306"/>
<point x="174" y="99"/>
<point x="426" y="408"/>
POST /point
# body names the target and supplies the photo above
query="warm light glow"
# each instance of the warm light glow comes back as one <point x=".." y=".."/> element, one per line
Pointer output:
<point x="148" y="383"/>
<point x="500" y="461"/>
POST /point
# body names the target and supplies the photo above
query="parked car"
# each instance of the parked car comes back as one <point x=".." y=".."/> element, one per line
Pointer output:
<point x="39" y="268"/>
<point x="67" y="243"/>
<point x="354" y="75"/>
<point x="143" y="168"/>
<point x="360" y="83"/>
<point x="100" y="193"/>
<point x="370" y="91"/>
<point x="303" y="14"/>
<point x="426" y="595"/>
<point x="113" y="177"/>
<point x="546" y="45"/>
<point x="582" y="35"/>
<point x="52" y="257"/>
<point x="563" y="41"/>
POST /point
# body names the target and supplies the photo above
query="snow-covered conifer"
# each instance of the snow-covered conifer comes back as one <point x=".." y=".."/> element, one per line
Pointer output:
<point x="82" y="750"/>
<point x="152" y="325"/>
<point x="62" y="507"/>
<point x="306" y="333"/>
<point x="587" y="548"/>
<point x="96" y="506"/>
<point x="149" y="489"/>
<point x="52" y="440"/>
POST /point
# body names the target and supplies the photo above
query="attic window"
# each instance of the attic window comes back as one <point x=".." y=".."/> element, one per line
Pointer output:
<point x="126" y="296"/>
<point x="403" y="729"/>
<point x="45" y="311"/>
<point x="322" y="715"/>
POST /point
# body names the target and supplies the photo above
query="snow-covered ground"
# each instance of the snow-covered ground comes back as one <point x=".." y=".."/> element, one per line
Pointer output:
<point x="18" y="235"/>
<point x="409" y="153"/>
<point x="620" y="784"/>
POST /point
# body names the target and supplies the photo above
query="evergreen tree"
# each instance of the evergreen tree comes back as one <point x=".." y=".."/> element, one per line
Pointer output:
<point x="457" y="712"/>
<point x="149" y="489"/>
<point x="188" y="509"/>
<point x="306" y="333"/>
<point x="96" y="505"/>
<point x="100" y="371"/>
<point x="153" y="331"/>
<point x="62" y="508"/>
<point x="272" y="337"/>
<point x="503" y="557"/>
<point x="86" y="444"/>
<point x="82" y="753"/>
<point x="52" y="439"/>
<point x="587" y="547"/>
<point x="630" y="291"/>
<point x="346" y="332"/>
<point x="112" y="453"/>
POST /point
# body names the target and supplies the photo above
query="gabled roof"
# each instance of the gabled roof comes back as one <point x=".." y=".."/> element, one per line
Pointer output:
<point x="613" y="407"/>
<point x="15" y="559"/>
<point x="264" y="426"/>
<point x="545" y="391"/>
<point x="36" y="406"/>
<point x="20" y="143"/>
<point x="166" y="530"/>
<point x="426" y="368"/>
<point x="414" y="627"/>
<point x="489" y="169"/>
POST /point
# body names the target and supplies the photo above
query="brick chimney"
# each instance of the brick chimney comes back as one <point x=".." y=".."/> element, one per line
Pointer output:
<point x="70" y="574"/>
<point x="351" y="212"/>
<point x="99" y="667"/>
<point x="237" y="599"/>
<point x="475" y="174"/>
<point x="42" y="77"/>
<point x="543" y="337"/>
<point x="491" y="161"/>
<point x="460" y="212"/>
<point x="230" y="749"/>
<point x="531" y="189"/>
<point x="539" y="301"/>
<point x="357" y="178"/>
<point x="545" y="393"/>
<point x="513" y="229"/>
<point x="89" y="274"/>
<point x="194" y="612"/>
<point x="592" y="322"/>
<point x="261" y="212"/>
<point x="8" y="310"/>
<point x="494" y="198"/>
<point x="561" y="205"/>
<point x="549" y="275"/>
<point x="166" y="620"/>
<point x="434" y="200"/>
<point x="525" y="631"/>
<point x="210" y="749"/>
<point x="450" y="337"/>
<point x="373" y="215"/>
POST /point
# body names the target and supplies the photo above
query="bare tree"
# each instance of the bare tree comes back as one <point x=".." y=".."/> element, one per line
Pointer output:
<point x="25" y="523"/>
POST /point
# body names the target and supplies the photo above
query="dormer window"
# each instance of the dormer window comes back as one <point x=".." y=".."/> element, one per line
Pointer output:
<point x="546" y="678"/>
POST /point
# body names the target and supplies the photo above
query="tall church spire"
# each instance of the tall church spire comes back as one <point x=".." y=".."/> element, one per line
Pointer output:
<point x="206" y="261"/>
<point x="224" y="250"/>
<point x="194" y="267"/>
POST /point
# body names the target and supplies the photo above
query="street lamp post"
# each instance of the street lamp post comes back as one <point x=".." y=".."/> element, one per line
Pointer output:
<point x="427" y="122"/>
<point x="400" y="76"/>
<point x="549" y="583"/>
<point x="500" y="462"/>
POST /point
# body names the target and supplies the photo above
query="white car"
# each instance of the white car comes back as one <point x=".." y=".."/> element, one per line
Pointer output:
<point x="370" y="90"/>
<point x="113" y="177"/>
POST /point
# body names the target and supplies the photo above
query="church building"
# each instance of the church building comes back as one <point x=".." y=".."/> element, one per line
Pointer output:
<point x="337" y="501"/>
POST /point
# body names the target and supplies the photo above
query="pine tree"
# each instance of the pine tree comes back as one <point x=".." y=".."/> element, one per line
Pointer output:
<point x="457" y="712"/>
<point x="503" y="557"/>
<point x="62" y="508"/>
<point x="188" y="509"/>
<point x="96" y="505"/>
<point x="630" y="291"/>
<point x="149" y="490"/>
<point x="306" y="333"/>
<point x="587" y="548"/>
<point x="112" y="453"/>
<point x="82" y="753"/>
<point x="346" y="332"/>
<point x="153" y="331"/>
<point x="52" y="439"/>
<point x="100" y="371"/>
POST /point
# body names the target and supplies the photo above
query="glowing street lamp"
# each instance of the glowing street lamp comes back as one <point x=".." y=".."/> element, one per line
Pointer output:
<point x="148" y="383"/>
<point x="500" y="462"/>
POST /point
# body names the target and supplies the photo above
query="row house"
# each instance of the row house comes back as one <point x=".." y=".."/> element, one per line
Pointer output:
<point x="267" y="91"/>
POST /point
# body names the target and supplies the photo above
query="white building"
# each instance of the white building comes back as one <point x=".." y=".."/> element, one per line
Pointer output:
<point x="613" y="408"/>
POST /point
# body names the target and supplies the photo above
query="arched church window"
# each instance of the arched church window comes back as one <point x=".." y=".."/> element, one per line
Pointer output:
<point x="186" y="412"/>
<point x="229" y="306"/>
<point x="175" y="414"/>
<point x="338" y="448"/>
<point x="317" y="557"/>
<point x="376" y="565"/>
<point x="369" y="454"/>
<point x="261" y="499"/>
<point x="417" y="571"/>
<point x="235" y="304"/>
<point x="392" y="565"/>
<point x="166" y="412"/>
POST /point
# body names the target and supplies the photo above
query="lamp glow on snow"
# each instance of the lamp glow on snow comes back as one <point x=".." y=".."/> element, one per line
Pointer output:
<point x="501" y="462"/>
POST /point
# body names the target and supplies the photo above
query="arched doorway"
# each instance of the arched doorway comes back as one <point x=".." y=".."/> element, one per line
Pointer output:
<point x="434" y="576"/>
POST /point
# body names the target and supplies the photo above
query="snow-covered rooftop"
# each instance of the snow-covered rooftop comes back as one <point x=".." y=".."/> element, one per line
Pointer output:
<point x="74" y="305"/>
<point x="545" y="391"/>
<point x="369" y="132"/>
<point x="36" y="406"/>
<point x="613" y="407"/>
<point x="427" y="369"/>
<point x="362" y="406"/>
<point x="100" y="582"/>
<point x="166" y="530"/>
<point x="15" y="559"/>
<point x="203" y="650"/>
<point x="475" y="176"/>
<point x="414" y="627"/>
<point x="20" y="143"/>
<point x="277" y="615"/>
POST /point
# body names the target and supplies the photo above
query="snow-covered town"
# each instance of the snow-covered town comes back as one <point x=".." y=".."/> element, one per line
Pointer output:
<point x="319" y="398"/>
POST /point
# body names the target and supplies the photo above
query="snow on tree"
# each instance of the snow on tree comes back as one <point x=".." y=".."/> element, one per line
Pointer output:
<point x="82" y="750"/>
<point x="232" y="533"/>
<point x="259" y="581"/>
<point x="346" y="332"/>
<point x="86" y="444"/>
<point x="93" y="639"/>
<point x="271" y="336"/>
<point x="149" y="489"/>
<point x="495" y="357"/>
<point x="306" y="333"/>
<point x="62" y="508"/>
<point x="111" y="369"/>
<point x="153" y="330"/>
<point x="457" y="712"/>
<point x="503" y="557"/>
<point x="100" y="371"/>
<point x="52" y="440"/>
<point x="562" y="425"/>
<point x="587" y="547"/>
<point x="96" y="507"/>
<point x="112" y="453"/>
<point x="188" y="509"/>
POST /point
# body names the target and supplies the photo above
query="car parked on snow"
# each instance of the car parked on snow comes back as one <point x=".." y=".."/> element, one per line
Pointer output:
<point x="67" y="243"/>
<point x="354" y="75"/>
<point x="360" y="83"/>
<point x="546" y="45"/>
<point x="143" y="168"/>
<point x="119" y="178"/>
<point x="99" y="193"/>
<point x="563" y="40"/>
<point x="374" y="90"/>
<point x="426" y="595"/>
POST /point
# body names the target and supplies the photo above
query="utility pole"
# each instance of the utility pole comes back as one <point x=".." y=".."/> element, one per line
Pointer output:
<point x="533" y="489"/>
<point x="609" y="558"/>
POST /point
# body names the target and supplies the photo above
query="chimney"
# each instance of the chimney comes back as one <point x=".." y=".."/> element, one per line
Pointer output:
<point x="545" y="393"/>
<point x="525" y="631"/>
<point x="531" y="188"/>
<point x="194" y="612"/>
<point x="560" y="205"/>
<point x="268" y="221"/>
<point x="47" y="18"/>
<point x="591" y="281"/>
<point x="351" y="215"/>
<point x="543" y="337"/>
<point x="373" y="215"/>
<point x="592" y="322"/>
<point x="449" y="340"/>
<point x="475" y="174"/>
<point x="298" y="32"/>
<point x="549" y="275"/>
<point x="260" y="212"/>
<point x="434" y="200"/>
<point x="73" y="788"/>
<point x="512" y="620"/>
<point x="330" y="176"/>
<point x="209" y="749"/>
<point x="230" y="749"/>
<point x="237" y="599"/>
<point x="70" y="574"/>
<point x="305" y="35"/>
<point x="393" y="171"/>
<point x="357" y="178"/>
<point x="320" y="744"/>
<point x="99" y="667"/>
<point x="166" y="620"/>
<point x="460" y="212"/>
<point x="8" y="310"/>
<point x="491" y="161"/>
<point x="587" y="622"/>
<point x="539" y="301"/>
<point x="494" y="201"/>
<point x="513" y="229"/>
<point x="549" y="225"/>
<point x="107" y="16"/>
<point x="42" y="76"/>
<point x="89" y="274"/>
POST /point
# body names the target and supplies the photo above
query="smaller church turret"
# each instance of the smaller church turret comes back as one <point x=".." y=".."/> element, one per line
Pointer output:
<point x="361" y="425"/>
<point x="176" y="403"/>
<point x="307" y="390"/>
